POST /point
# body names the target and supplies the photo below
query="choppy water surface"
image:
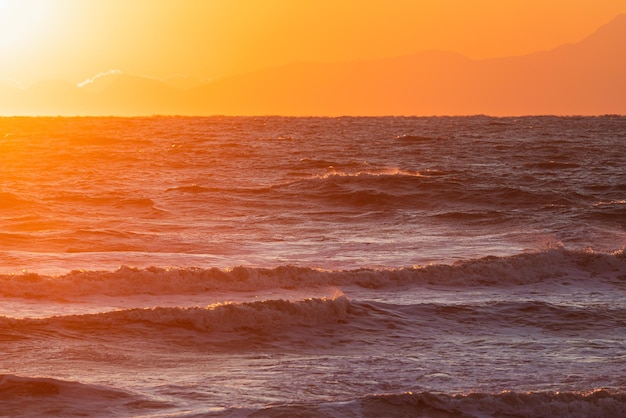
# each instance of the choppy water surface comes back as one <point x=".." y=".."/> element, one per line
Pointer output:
<point x="468" y="266"/>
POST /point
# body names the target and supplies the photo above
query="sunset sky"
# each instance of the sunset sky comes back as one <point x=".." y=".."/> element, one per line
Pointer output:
<point x="75" y="39"/>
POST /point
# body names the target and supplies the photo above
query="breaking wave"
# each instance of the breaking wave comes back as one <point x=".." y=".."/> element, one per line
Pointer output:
<point x="261" y="316"/>
<point x="551" y="264"/>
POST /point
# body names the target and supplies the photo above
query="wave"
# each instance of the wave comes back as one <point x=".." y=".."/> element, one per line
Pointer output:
<point x="381" y="172"/>
<point x="594" y="404"/>
<point x="526" y="268"/>
<point x="194" y="188"/>
<point x="487" y="217"/>
<point x="275" y="316"/>
<point x="94" y="140"/>
<point x="552" y="165"/>
<point x="549" y="317"/>
<point x="613" y="211"/>
<point x="11" y="201"/>
<point x="386" y="188"/>
<point x="317" y="163"/>
<point x="433" y="189"/>
<point x="418" y="138"/>
<point x="115" y="201"/>
<point x="45" y="396"/>
<point x="22" y="396"/>
<point x="249" y="317"/>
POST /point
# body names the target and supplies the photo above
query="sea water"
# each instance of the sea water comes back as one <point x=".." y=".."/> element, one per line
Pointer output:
<point x="341" y="267"/>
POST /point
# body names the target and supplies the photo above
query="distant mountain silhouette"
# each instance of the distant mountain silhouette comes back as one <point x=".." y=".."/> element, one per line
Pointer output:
<point x="588" y="77"/>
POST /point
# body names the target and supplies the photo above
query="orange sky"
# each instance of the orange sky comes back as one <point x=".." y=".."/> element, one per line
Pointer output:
<point x="75" y="39"/>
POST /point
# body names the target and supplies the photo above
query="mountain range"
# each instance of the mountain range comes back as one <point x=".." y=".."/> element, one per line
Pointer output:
<point x="584" y="78"/>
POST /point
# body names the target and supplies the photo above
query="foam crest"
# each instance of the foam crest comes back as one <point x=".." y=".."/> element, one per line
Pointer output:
<point x="389" y="171"/>
<point x="256" y="316"/>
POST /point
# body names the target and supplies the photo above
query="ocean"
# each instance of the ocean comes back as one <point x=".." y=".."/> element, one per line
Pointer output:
<point x="313" y="267"/>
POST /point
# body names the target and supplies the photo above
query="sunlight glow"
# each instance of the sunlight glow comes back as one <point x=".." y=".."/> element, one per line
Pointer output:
<point x="22" y="23"/>
<point x="118" y="56"/>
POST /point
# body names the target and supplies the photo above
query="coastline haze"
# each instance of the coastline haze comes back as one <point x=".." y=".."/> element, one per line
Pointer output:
<point x="584" y="77"/>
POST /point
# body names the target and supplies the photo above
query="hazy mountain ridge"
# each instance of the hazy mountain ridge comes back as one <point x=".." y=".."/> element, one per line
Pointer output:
<point x="586" y="77"/>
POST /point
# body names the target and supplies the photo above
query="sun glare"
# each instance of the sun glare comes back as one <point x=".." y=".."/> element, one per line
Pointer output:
<point x="22" y="23"/>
